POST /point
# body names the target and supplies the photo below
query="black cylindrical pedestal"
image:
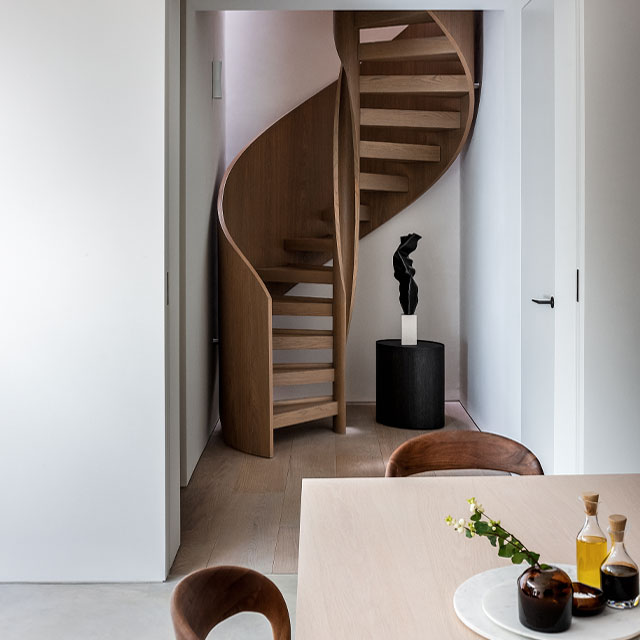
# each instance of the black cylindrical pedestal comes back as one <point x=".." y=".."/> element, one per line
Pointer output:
<point x="410" y="384"/>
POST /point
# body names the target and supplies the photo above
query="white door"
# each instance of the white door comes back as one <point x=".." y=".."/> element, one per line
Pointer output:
<point x="538" y="229"/>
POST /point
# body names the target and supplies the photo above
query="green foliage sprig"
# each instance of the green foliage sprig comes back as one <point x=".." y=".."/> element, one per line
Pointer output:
<point x="508" y="545"/>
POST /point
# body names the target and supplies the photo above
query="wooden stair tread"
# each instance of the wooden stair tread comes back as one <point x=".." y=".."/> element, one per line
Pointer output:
<point x="438" y="47"/>
<point x="288" y="412"/>
<point x="399" y="151"/>
<point x="410" y="118"/>
<point x="297" y="273"/>
<point x="455" y="85"/>
<point x="372" y="19"/>
<point x="302" y="339"/>
<point x="310" y="267"/>
<point x="383" y="182"/>
<point x="301" y="306"/>
<point x="302" y="332"/>
<point x="302" y="373"/>
<point x="301" y="366"/>
<point x="318" y="245"/>
<point x="365" y="214"/>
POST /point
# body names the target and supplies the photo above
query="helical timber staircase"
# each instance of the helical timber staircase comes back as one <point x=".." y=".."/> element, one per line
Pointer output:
<point x="309" y="187"/>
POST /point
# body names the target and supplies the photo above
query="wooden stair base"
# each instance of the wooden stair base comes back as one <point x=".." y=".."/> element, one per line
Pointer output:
<point x="301" y="306"/>
<point x="302" y="339"/>
<point x="289" y="412"/>
<point x="399" y="151"/>
<point x="383" y="182"/>
<point x="285" y="374"/>
<point x="297" y="273"/>
<point x="436" y="48"/>
<point x="453" y="85"/>
<point x="409" y="118"/>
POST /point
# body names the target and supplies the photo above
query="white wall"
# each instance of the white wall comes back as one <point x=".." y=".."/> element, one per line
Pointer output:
<point x="612" y="237"/>
<point x="82" y="398"/>
<point x="203" y="166"/>
<point x="490" y="251"/>
<point x="172" y="266"/>
<point x="376" y="314"/>
<point x="348" y="4"/>
<point x="289" y="58"/>
<point x="274" y="60"/>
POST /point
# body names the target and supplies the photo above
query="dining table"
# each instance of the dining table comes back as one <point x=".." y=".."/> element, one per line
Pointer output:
<point x="378" y="561"/>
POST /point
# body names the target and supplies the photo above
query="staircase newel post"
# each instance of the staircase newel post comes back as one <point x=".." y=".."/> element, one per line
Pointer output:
<point x="339" y="346"/>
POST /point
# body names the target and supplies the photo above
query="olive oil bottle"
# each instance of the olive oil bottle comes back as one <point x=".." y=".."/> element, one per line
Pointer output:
<point x="591" y="543"/>
<point x="619" y="573"/>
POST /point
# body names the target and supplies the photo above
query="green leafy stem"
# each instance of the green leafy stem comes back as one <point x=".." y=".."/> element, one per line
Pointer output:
<point x="508" y="545"/>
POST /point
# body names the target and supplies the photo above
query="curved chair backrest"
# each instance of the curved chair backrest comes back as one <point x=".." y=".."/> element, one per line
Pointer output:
<point x="462" y="450"/>
<point x="207" y="597"/>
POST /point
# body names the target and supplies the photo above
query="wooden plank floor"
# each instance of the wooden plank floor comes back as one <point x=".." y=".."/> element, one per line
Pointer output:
<point x="244" y="510"/>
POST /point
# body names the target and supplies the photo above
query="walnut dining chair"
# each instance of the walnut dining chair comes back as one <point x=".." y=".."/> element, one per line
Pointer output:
<point x="205" y="598"/>
<point x="448" y="450"/>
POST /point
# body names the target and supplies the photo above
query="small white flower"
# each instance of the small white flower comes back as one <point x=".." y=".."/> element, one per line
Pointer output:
<point x="493" y="528"/>
<point x="461" y="522"/>
<point x="460" y="529"/>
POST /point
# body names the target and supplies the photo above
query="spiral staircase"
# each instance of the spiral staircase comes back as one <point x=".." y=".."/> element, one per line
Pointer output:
<point x="308" y="188"/>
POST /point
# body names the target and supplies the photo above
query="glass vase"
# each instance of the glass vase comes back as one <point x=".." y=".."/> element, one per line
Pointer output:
<point x="545" y="599"/>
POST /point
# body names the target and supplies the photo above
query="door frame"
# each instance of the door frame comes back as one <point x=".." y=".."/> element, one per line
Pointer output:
<point x="569" y="201"/>
<point x="569" y="236"/>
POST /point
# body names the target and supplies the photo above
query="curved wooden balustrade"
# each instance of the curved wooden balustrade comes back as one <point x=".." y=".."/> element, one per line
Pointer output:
<point x="438" y="114"/>
<point x="304" y="192"/>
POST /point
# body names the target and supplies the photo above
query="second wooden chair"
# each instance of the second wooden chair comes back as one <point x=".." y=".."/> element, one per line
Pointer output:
<point x="462" y="450"/>
<point x="207" y="597"/>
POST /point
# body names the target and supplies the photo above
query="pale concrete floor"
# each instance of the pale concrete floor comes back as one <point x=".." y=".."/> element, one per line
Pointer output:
<point x="114" y="612"/>
<point x="237" y="509"/>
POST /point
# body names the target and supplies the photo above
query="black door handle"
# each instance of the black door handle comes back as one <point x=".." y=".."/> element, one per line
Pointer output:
<point x="550" y="301"/>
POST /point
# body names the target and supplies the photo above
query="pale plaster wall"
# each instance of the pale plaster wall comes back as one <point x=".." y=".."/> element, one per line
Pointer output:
<point x="203" y="166"/>
<point x="82" y="250"/>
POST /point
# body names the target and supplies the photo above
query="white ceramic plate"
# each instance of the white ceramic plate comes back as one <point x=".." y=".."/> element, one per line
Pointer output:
<point x="500" y="604"/>
<point x="469" y="599"/>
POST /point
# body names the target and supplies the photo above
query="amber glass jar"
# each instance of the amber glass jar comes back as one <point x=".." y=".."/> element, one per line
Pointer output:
<point x="545" y="599"/>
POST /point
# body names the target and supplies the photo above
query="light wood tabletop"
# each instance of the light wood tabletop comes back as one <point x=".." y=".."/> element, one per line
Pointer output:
<point x="378" y="561"/>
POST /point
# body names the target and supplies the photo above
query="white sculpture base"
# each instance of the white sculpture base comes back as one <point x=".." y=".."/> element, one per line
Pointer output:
<point x="409" y="330"/>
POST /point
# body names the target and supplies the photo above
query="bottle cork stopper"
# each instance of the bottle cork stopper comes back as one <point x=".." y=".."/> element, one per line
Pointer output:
<point x="617" y="522"/>
<point x="590" y="502"/>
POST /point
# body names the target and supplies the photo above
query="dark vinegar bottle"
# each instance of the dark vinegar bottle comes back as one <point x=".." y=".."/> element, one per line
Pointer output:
<point x="619" y="573"/>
